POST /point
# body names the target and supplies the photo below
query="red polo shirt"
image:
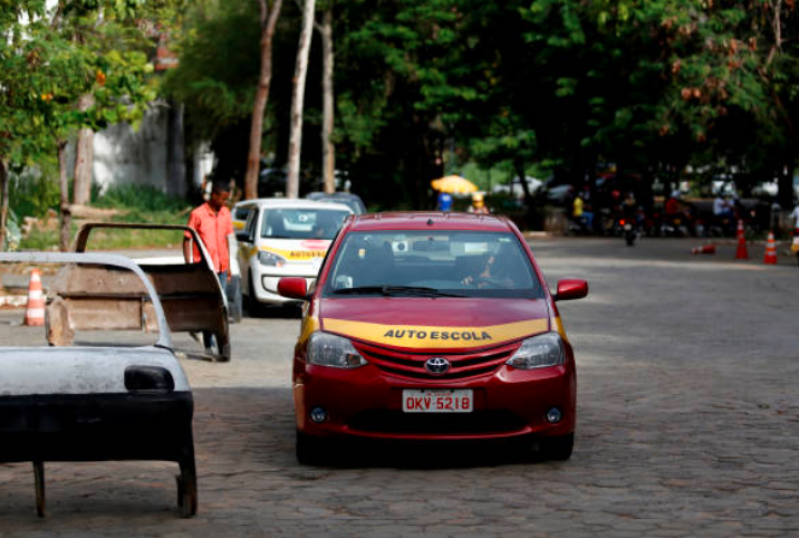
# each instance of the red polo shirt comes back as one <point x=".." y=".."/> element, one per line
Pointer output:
<point x="213" y="229"/>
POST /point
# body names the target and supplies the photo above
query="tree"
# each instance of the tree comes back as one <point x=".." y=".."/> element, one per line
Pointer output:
<point x="270" y="11"/>
<point x="325" y="30"/>
<point x="298" y="99"/>
<point x="46" y="71"/>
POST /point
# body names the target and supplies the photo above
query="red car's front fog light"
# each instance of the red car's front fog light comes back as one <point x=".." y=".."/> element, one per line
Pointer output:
<point x="318" y="415"/>
<point x="554" y="415"/>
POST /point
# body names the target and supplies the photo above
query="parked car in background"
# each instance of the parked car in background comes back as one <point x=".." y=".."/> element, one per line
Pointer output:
<point x="515" y="188"/>
<point x="353" y="201"/>
<point x="283" y="237"/>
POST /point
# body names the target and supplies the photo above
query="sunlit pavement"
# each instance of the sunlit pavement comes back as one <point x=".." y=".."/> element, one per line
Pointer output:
<point x="688" y="426"/>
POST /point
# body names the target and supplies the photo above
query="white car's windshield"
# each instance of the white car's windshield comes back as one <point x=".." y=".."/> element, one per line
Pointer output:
<point x="431" y="264"/>
<point x="302" y="223"/>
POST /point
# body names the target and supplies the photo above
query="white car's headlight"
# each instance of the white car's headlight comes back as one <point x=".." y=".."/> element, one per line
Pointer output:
<point x="270" y="259"/>
<point x="539" y="352"/>
<point x="326" y="349"/>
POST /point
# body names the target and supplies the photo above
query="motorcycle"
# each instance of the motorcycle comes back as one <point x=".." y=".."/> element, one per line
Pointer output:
<point x="630" y="233"/>
<point x="795" y="243"/>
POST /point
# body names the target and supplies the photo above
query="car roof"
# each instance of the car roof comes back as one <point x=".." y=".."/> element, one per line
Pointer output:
<point x="339" y="194"/>
<point x="265" y="203"/>
<point x="429" y="220"/>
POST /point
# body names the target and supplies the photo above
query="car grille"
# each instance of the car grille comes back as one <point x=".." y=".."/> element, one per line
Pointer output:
<point x="462" y="365"/>
<point x="385" y="421"/>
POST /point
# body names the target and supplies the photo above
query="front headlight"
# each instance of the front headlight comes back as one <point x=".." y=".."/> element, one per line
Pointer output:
<point x="326" y="349"/>
<point x="539" y="352"/>
<point x="270" y="259"/>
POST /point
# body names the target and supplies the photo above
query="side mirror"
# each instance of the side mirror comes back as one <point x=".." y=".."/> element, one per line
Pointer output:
<point x="570" y="289"/>
<point x="243" y="236"/>
<point x="293" y="287"/>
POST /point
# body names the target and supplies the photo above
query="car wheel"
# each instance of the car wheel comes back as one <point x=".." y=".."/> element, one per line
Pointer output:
<point x="557" y="448"/>
<point x="311" y="450"/>
<point x="254" y="307"/>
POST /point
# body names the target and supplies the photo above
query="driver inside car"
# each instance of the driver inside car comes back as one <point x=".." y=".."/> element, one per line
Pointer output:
<point x="497" y="273"/>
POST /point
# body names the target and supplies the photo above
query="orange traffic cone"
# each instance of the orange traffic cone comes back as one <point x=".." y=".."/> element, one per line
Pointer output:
<point x="771" y="250"/>
<point x="741" y="253"/>
<point x="740" y="232"/>
<point x="34" y="315"/>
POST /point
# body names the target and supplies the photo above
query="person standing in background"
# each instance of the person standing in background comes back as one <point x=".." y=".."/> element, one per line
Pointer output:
<point x="444" y="202"/>
<point x="478" y="204"/>
<point x="213" y="223"/>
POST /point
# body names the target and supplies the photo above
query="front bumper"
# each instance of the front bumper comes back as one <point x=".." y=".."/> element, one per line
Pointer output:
<point x="367" y="402"/>
<point x="96" y="427"/>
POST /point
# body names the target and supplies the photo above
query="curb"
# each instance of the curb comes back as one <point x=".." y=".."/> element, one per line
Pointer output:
<point x="17" y="301"/>
<point x="537" y="234"/>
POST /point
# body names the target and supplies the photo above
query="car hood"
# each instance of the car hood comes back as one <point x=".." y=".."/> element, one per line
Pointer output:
<point x="440" y="323"/>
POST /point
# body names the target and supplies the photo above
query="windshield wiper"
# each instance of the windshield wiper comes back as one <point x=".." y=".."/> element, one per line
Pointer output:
<point x="393" y="291"/>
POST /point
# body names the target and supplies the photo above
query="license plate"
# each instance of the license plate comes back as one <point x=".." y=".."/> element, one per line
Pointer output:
<point x="438" y="401"/>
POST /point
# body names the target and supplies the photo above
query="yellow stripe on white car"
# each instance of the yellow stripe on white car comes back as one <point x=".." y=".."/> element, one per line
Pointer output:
<point x="294" y="254"/>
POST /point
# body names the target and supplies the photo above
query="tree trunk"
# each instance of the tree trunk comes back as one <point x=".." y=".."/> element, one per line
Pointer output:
<point x="176" y="162"/>
<point x="298" y="99"/>
<point x="528" y="198"/>
<point x="63" y="184"/>
<point x="268" y="22"/>
<point x="328" y="150"/>
<point x="4" y="204"/>
<point x="84" y="157"/>
<point x="785" y="188"/>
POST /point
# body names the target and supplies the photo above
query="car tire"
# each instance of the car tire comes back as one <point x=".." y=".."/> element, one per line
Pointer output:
<point x="311" y="450"/>
<point x="557" y="448"/>
<point x="254" y="307"/>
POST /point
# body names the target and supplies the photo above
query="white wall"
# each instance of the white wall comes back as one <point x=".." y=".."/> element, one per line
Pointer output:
<point x="124" y="156"/>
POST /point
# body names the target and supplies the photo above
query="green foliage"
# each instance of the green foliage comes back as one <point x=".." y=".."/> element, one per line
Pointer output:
<point x="32" y="192"/>
<point x="139" y="197"/>
<point x="137" y="204"/>
<point x="219" y="65"/>
<point x="651" y="85"/>
<point x="50" y="58"/>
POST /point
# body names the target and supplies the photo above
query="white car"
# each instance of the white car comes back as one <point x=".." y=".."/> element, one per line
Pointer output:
<point x="283" y="237"/>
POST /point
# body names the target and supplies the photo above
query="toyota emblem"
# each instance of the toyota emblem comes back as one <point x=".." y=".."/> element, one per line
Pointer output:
<point x="437" y="365"/>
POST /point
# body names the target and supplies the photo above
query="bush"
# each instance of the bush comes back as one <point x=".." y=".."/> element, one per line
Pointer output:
<point x="32" y="192"/>
<point x="138" y="197"/>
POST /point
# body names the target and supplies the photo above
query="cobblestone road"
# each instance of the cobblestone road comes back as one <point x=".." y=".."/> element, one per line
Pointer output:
<point x="688" y="426"/>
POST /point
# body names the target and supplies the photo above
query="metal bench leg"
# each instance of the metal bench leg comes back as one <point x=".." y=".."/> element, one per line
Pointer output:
<point x="38" y="478"/>
<point x="187" y="488"/>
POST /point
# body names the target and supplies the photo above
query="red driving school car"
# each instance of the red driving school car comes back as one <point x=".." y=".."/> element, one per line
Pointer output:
<point x="432" y="326"/>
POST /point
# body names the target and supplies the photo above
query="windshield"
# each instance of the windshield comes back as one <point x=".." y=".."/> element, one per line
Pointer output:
<point x="425" y="264"/>
<point x="302" y="223"/>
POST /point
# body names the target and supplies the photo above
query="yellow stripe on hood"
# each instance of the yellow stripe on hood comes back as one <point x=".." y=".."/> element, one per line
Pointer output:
<point x="433" y="337"/>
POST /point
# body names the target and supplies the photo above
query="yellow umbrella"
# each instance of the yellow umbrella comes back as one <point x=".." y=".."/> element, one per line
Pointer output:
<point x="454" y="185"/>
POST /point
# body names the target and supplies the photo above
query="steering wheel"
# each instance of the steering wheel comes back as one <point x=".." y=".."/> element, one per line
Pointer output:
<point x="487" y="282"/>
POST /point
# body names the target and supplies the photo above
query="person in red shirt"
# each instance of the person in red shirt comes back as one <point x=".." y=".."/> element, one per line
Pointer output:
<point x="213" y="224"/>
